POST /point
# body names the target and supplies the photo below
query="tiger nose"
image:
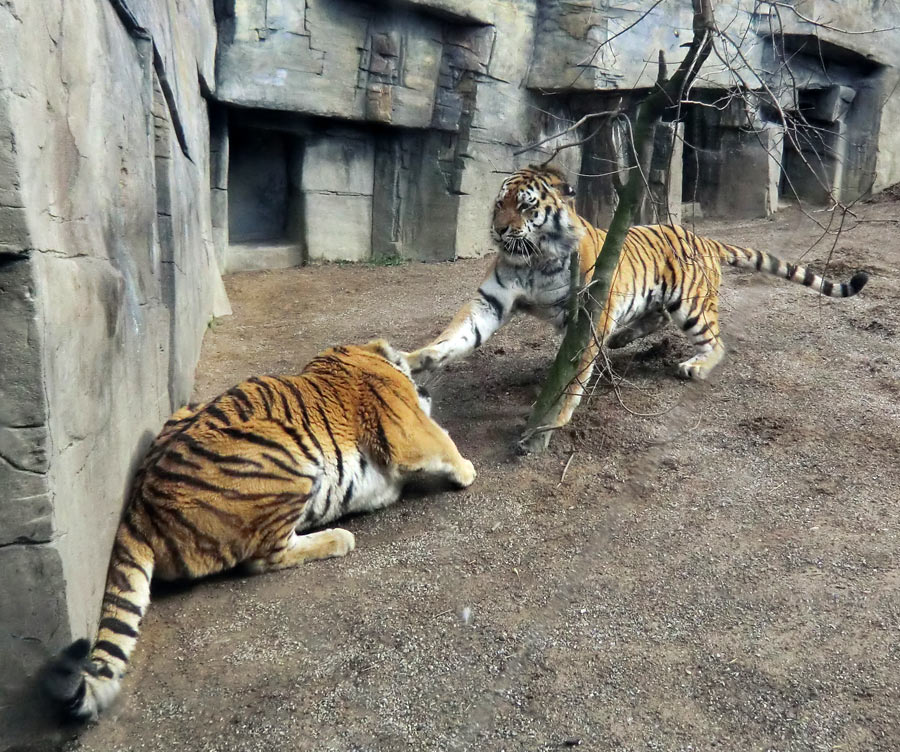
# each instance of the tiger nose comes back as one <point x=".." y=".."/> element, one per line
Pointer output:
<point x="501" y="229"/>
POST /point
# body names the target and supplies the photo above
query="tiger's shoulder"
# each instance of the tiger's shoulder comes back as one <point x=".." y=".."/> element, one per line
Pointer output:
<point x="590" y="244"/>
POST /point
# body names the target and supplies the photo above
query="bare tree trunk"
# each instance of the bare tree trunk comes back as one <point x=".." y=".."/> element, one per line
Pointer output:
<point x="579" y="331"/>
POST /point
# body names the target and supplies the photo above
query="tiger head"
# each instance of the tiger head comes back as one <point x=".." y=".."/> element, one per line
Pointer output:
<point x="534" y="216"/>
<point x="398" y="360"/>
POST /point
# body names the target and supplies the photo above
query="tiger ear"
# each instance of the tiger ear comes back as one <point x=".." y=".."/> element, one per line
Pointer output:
<point x="381" y="347"/>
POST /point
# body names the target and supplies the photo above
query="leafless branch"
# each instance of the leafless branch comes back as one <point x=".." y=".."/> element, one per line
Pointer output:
<point x="825" y="24"/>
<point x="574" y="127"/>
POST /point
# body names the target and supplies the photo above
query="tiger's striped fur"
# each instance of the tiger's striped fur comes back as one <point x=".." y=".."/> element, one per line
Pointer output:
<point x="237" y="479"/>
<point x="665" y="272"/>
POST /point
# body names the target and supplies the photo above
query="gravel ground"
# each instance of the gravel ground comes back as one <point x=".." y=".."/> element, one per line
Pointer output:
<point x="717" y="569"/>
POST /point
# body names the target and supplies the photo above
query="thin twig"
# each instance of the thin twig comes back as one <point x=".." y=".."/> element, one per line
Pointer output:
<point x="825" y="25"/>
<point x="565" y="470"/>
<point x="574" y="126"/>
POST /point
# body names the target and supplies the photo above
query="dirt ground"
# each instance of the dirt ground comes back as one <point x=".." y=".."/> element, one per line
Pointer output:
<point x="717" y="568"/>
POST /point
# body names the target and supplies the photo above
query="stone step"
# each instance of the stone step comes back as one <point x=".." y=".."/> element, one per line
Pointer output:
<point x="246" y="257"/>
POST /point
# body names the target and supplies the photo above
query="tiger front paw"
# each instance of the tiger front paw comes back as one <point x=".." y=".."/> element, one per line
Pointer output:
<point x="465" y="474"/>
<point x="422" y="361"/>
<point x="340" y="542"/>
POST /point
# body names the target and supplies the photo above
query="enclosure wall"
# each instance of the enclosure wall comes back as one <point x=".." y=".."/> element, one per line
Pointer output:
<point x="107" y="279"/>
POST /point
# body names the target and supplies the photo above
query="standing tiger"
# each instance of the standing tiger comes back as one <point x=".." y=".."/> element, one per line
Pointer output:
<point x="665" y="271"/>
<point x="237" y="479"/>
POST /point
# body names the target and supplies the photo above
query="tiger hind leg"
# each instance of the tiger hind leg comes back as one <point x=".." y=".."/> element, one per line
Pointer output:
<point x="643" y="326"/>
<point x="297" y="549"/>
<point x="703" y="328"/>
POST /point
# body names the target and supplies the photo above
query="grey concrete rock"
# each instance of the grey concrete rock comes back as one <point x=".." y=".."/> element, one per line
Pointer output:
<point x="24" y="448"/>
<point x="470" y="11"/>
<point x="756" y="157"/>
<point x="34" y="624"/>
<point x="340" y="162"/>
<point x="342" y="230"/>
<point x="27" y="509"/>
<point x="107" y="277"/>
<point x="248" y="257"/>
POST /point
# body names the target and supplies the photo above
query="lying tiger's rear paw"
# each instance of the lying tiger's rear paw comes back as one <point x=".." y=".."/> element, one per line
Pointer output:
<point x="339" y="541"/>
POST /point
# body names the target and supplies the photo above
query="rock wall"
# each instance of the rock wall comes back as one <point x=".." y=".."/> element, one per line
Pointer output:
<point x="107" y="279"/>
<point x="440" y="96"/>
<point x="403" y="117"/>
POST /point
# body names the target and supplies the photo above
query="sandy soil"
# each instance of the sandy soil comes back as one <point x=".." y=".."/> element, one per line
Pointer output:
<point x="719" y="574"/>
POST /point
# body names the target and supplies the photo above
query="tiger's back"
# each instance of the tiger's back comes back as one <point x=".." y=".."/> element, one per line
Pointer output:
<point x="237" y="479"/>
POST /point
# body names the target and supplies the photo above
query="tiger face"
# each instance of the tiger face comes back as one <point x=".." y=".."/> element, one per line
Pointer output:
<point x="534" y="216"/>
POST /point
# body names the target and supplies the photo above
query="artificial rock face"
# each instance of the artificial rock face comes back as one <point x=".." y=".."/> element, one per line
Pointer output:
<point x="107" y="277"/>
<point x="455" y="89"/>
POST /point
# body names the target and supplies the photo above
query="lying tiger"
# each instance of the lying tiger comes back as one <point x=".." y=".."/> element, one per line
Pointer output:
<point x="238" y="479"/>
<point x="665" y="271"/>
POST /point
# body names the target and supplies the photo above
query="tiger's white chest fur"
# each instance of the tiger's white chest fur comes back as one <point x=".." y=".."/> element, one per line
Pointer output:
<point x="359" y="486"/>
<point x="541" y="290"/>
<point x="547" y="289"/>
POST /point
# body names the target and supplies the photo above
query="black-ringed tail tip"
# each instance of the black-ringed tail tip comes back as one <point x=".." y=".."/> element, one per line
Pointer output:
<point x="857" y="283"/>
<point x="71" y="679"/>
<point x="761" y="261"/>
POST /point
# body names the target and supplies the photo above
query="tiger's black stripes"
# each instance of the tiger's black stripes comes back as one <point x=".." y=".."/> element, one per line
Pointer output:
<point x="110" y="648"/>
<point x="348" y="496"/>
<point x="384" y="403"/>
<point x="301" y="403"/>
<point x="286" y="408"/>
<point x="298" y="440"/>
<point x="190" y="480"/>
<point x="338" y="454"/>
<point x="198" y="449"/>
<point x="241" y="403"/>
<point x="493" y="303"/>
<point x="118" y="626"/>
<point x="254" y="474"/>
<point x="123" y="604"/>
<point x="255" y="438"/>
<point x="126" y="559"/>
<point x="179" y="459"/>
<point x="289" y="469"/>
<point x="264" y="395"/>
<point x="381" y="445"/>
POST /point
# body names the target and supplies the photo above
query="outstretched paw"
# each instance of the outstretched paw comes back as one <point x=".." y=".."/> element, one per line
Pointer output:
<point x="421" y="362"/>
